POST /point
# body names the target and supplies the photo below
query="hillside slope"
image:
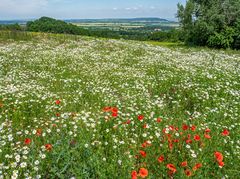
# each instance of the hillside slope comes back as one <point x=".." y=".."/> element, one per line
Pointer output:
<point x="95" y="108"/>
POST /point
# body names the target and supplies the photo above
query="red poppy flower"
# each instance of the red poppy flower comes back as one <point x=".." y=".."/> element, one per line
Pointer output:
<point x="207" y="130"/>
<point x="159" y="120"/>
<point x="225" y="132"/>
<point x="58" y="114"/>
<point x="193" y="128"/>
<point x="197" y="166"/>
<point x="134" y="174"/>
<point x="107" y="109"/>
<point x="188" y="172"/>
<point x="221" y="164"/>
<point x="48" y="147"/>
<point x="57" y="102"/>
<point x="143" y="172"/>
<point x="188" y="141"/>
<point x="207" y="136"/>
<point x="184" y="164"/>
<point x="218" y="156"/>
<point x="161" y="159"/>
<point x="184" y="127"/>
<point x="143" y="153"/>
<point x="27" y="141"/>
<point x="171" y="167"/>
<point x="114" y="109"/>
<point x="197" y="138"/>
<point x="146" y="144"/>
<point x="114" y="114"/>
<point x="140" y="117"/>
<point x="176" y="140"/>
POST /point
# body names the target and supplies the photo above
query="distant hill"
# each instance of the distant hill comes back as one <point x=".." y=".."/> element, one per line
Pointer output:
<point x="109" y="20"/>
<point x="8" y="22"/>
<point x="120" y="20"/>
<point x="50" y="25"/>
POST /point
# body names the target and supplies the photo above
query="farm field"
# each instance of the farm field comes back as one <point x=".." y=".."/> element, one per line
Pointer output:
<point x="135" y="24"/>
<point x="128" y="26"/>
<point x="101" y="108"/>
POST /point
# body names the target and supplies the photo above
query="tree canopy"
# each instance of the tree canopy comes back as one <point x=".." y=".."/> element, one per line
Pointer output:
<point x="46" y="24"/>
<point x="215" y="23"/>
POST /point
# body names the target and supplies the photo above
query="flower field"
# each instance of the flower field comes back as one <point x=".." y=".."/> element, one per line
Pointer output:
<point x="97" y="108"/>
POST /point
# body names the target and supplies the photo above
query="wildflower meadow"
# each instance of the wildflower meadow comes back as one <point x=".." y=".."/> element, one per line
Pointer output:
<point x="98" y="108"/>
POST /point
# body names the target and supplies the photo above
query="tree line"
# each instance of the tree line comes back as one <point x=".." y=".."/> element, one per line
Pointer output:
<point x="12" y="27"/>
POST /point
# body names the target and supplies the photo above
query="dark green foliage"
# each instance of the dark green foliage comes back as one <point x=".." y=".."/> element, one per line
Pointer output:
<point x="214" y="23"/>
<point x="11" y="27"/>
<point x="200" y="33"/>
<point x="163" y="36"/>
<point x="46" y="24"/>
<point x="224" y="39"/>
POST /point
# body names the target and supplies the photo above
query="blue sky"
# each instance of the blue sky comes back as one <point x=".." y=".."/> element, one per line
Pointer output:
<point x="80" y="9"/>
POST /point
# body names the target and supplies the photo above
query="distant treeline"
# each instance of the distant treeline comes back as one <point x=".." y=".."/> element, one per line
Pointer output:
<point x="11" y="27"/>
<point x="50" y="25"/>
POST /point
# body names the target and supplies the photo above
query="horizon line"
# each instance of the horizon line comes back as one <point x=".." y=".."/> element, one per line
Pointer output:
<point x="34" y="18"/>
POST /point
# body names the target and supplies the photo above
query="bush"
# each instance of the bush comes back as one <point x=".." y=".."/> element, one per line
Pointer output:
<point x="224" y="39"/>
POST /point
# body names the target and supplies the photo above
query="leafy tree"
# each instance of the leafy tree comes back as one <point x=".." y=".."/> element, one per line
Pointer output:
<point x="210" y="22"/>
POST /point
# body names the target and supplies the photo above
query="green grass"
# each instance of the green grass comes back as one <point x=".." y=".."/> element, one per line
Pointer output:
<point x="166" y="44"/>
<point x="193" y="87"/>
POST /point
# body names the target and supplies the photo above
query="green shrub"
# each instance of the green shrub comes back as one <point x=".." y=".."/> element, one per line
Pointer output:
<point x="225" y="39"/>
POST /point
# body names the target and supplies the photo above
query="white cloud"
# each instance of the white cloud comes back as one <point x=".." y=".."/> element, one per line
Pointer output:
<point x="132" y="8"/>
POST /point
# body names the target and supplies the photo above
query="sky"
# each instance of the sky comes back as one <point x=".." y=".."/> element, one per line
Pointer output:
<point x="85" y="9"/>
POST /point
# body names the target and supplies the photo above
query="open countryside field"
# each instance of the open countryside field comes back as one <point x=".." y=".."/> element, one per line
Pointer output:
<point x="147" y="27"/>
<point x="98" y="108"/>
